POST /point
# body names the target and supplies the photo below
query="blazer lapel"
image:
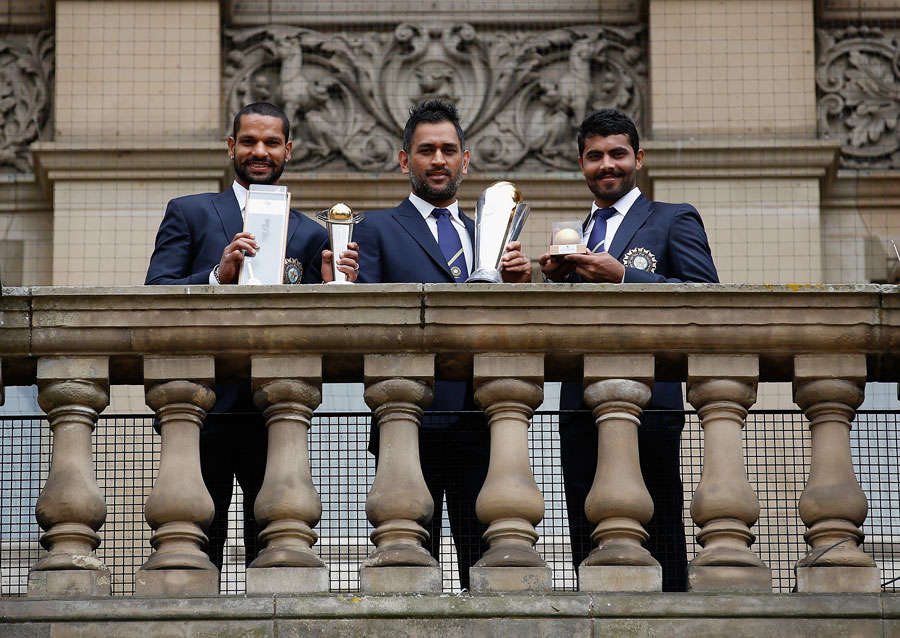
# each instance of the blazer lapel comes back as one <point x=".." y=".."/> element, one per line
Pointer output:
<point x="409" y="217"/>
<point x="229" y="212"/>
<point x="637" y="215"/>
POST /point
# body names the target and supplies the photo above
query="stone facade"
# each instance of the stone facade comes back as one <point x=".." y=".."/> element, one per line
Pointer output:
<point x="777" y="119"/>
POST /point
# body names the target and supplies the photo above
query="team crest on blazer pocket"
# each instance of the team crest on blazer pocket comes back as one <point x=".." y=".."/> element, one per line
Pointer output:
<point x="640" y="259"/>
<point x="293" y="271"/>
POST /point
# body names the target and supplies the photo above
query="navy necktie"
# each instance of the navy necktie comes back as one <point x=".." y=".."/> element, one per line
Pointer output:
<point x="451" y="246"/>
<point x="597" y="241"/>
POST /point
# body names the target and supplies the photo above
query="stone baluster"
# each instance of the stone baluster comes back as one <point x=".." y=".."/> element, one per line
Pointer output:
<point x="829" y="388"/>
<point x="288" y="505"/>
<point x="508" y="388"/>
<point x="616" y="389"/>
<point x="71" y="508"/>
<point x="399" y="504"/>
<point x="179" y="508"/>
<point x="724" y="507"/>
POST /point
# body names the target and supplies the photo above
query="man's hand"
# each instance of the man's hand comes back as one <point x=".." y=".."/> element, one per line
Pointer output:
<point x="347" y="264"/>
<point x="515" y="266"/>
<point x="233" y="255"/>
<point x="598" y="267"/>
<point x="555" y="268"/>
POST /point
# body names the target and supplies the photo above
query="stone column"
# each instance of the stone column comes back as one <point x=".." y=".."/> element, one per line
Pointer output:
<point x="179" y="507"/>
<point x="288" y="389"/>
<point x="399" y="504"/>
<point x="617" y="388"/>
<point x="508" y="388"/>
<point x="829" y="388"/>
<point x="70" y="509"/>
<point x="724" y="507"/>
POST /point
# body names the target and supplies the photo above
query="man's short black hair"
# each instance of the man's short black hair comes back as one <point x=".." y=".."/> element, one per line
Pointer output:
<point x="604" y="123"/>
<point x="265" y="109"/>
<point x="432" y="111"/>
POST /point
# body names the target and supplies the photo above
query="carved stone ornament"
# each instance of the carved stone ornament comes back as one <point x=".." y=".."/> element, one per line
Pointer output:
<point x="521" y="94"/>
<point x="26" y="86"/>
<point x="858" y="78"/>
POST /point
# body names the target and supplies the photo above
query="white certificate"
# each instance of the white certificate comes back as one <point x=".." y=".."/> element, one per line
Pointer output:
<point x="266" y="216"/>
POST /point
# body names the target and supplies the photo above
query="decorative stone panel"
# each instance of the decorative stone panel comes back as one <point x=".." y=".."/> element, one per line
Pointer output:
<point x="26" y="88"/>
<point x="521" y="93"/>
<point x="858" y="80"/>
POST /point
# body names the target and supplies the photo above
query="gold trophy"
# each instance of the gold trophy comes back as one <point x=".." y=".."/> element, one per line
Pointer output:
<point x="499" y="217"/>
<point x="339" y="220"/>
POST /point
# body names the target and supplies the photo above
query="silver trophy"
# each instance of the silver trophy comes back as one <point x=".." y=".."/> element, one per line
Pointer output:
<point x="499" y="217"/>
<point x="339" y="220"/>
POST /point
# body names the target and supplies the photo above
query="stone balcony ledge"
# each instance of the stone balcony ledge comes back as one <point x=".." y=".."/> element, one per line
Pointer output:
<point x="518" y="615"/>
<point x="344" y="323"/>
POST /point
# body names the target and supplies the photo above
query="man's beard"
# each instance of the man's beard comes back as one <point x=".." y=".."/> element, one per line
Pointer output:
<point x="615" y="194"/>
<point x="430" y="194"/>
<point x="241" y="172"/>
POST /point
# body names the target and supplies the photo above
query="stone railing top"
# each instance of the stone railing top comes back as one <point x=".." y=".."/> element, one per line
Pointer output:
<point x="342" y="323"/>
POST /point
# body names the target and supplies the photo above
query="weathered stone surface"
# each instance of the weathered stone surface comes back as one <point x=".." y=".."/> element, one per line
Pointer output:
<point x="391" y="579"/>
<point x="287" y="580"/>
<point x="567" y="615"/>
<point x="510" y="579"/>
<point x="729" y="578"/>
<point x="172" y="583"/>
<point x="837" y="579"/>
<point x="608" y="578"/>
<point x="451" y="321"/>
<point x="70" y="583"/>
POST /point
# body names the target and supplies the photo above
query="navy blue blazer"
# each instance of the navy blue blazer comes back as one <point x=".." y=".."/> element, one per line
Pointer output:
<point x="670" y="241"/>
<point x="396" y="246"/>
<point x="197" y="228"/>
<point x="672" y="234"/>
<point x="191" y="237"/>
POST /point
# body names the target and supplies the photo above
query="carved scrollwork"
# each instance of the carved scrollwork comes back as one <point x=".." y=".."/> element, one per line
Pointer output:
<point x="858" y="78"/>
<point x="520" y="94"/>
<point x="26" y="76"/>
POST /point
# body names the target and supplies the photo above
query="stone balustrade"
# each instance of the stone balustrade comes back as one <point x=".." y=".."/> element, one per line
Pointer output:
<point x="723" y="341"/>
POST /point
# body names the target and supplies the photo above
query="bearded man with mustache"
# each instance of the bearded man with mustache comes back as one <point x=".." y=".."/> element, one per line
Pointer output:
<point x="201" y="241"/>
<point x="405" y="244"/>
<point x="630" y="239"/>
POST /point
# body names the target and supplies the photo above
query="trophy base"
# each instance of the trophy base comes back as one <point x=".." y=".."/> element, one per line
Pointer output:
<point x="339" y="282"/>
<point x="485" y="276"/>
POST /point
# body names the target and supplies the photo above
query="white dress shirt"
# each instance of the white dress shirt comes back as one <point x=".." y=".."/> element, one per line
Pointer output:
<point x="622" y="206"/>
<point x="426" y="209"/>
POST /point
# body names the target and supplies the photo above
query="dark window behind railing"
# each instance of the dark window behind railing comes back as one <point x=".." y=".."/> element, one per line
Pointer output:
<point x="126" y="454"/>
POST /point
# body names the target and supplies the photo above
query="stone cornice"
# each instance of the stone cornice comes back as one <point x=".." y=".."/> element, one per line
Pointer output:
<point x="741" y="158"/>
<point x="864" y="189"/>
<point x="857" y="11"/>
<point x="185" y="159"/>
<point x="343" y="323"/>
<point x="22" y="194"/>
<point x="321" y="13"/>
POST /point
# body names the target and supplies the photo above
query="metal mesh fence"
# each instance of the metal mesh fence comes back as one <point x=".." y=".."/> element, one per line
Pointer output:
<point x="126" y="455"/>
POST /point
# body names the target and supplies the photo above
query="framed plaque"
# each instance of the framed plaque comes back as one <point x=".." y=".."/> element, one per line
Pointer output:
<point x="266" y="216"/>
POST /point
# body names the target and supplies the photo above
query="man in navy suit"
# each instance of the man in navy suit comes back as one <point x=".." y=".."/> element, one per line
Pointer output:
<point x="406" y="244"/>
<point x="201" y="241"/>
<point x="632" y="240"/>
